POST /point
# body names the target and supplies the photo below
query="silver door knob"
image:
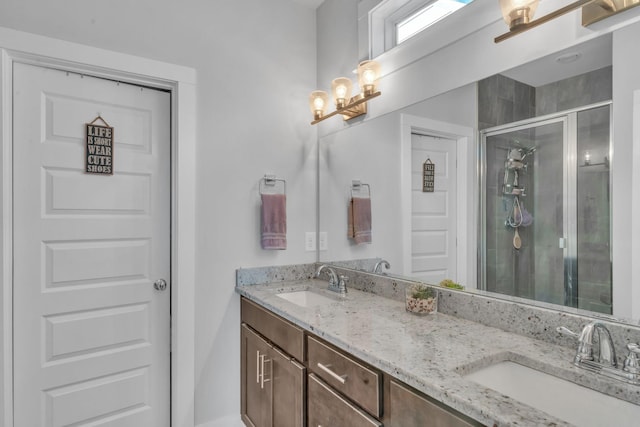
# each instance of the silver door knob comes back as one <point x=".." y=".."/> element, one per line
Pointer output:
<point x="160" y="285"/>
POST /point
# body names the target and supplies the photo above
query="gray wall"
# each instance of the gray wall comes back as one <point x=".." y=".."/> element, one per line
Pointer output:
<point x="504" y="100"/>
<point x="585" y="89"/>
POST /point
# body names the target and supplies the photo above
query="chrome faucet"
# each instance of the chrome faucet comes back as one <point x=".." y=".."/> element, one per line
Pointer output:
<point x="378" y="267"/>
<point x="606" y="350"/>
<point x="605" y="362"/>
<point x="336" y="283"/>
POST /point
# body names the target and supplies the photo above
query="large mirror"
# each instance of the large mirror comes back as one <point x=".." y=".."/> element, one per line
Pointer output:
<point x="522" y="202"/>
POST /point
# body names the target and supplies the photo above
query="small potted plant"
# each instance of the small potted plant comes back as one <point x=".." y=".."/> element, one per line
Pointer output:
<point x="421" y="299"/>
<point x="448" y="283"/>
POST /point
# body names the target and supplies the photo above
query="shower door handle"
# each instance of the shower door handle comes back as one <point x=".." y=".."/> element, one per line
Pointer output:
<point x="562" y="242"/>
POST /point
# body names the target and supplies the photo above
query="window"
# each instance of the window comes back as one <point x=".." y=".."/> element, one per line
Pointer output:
<point x="425" y="17"/>
<point x="395" y="23"/>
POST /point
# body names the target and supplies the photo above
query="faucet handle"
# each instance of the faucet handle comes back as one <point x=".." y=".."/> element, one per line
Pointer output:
<point x="585" y="349"/>
<point x="631" y="363"/>
<point x="563" y="330"/>
<point x="342" y="284"/>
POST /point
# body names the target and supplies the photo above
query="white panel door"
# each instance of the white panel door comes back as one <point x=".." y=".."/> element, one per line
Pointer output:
<point x="433" y="215"/>
<point x="91" y="334"/>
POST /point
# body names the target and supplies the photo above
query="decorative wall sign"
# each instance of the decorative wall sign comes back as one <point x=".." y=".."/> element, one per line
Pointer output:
<point x="428" y="176"/>
<point x="99" y="148"/>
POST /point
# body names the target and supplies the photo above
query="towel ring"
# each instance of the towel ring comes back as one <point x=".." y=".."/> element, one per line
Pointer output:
<point x="357" y="187"/>
<point x="271" y="181"/>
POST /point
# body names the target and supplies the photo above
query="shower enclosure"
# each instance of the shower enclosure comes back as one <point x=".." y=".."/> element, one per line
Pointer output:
<point x="545" y="209"/>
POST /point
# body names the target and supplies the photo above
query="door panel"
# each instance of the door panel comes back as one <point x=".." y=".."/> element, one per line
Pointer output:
<point x="288" y="387"/>
<point x="525" y="173"/>
<point x="433" y="215"/>
<point x="257" y="396"/>
<point x="91" y="333"/>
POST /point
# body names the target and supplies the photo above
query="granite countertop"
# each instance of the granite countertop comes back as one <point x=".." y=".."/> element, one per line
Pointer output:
<point x="429" y="352"/>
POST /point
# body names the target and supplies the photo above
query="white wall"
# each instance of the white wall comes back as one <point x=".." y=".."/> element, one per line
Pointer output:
<point x="463" y="62"/>
<point x="475" y="57"/>
<point x="256" y="64"/>
<point x="626" y="80"/>
<point x="352" y="154"/>
<point x="371" y="152"/>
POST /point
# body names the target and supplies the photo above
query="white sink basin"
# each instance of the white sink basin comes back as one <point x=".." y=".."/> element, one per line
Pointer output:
<point x="563" y="399"/>
<point x="305" y="298"/>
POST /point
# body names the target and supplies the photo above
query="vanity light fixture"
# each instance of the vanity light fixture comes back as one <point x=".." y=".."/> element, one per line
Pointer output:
<point x="318" y="101"/>
<point x="518" y="14"/>
<point x="346" y="105"/>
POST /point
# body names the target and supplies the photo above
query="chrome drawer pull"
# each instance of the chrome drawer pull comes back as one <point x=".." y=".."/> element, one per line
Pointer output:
<point x="262" y="362"/>
<point x="341" y="378"/>
<point x="258" y="367"/>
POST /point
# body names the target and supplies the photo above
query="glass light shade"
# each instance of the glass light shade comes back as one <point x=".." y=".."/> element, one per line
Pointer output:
<point x="341" y="88"/>
<point x="518" y="12"/>
<point x="318" y="102"/>
<point x="368" y="74"/>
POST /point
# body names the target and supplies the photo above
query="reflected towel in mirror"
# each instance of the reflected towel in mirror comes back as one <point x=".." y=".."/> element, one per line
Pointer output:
<point x="359" y="220"/>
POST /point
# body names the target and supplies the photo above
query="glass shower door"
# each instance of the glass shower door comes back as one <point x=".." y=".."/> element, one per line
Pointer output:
<point x="593" y="210"/>
<point x="545" y="209"/>
<point x="524" y="211"/>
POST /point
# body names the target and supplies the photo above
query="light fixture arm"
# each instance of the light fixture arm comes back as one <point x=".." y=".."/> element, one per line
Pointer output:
<point x="356" y="107"/>
<point x="546" y="18"/>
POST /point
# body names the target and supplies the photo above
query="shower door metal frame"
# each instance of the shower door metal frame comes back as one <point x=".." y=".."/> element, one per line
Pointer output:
<point x="569" y="240"/>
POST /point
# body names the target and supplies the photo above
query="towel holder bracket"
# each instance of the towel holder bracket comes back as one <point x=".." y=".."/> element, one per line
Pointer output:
<point x="270" y="180"/>
<point x="357" y="187"/>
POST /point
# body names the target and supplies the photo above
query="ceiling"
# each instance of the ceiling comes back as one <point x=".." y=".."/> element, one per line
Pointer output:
<point x="580" y="59"/>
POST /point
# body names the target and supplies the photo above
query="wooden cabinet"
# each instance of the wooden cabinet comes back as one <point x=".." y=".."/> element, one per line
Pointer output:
<point x="327" y="408"/>
<point x="339" y="391"/>
<point x="273" y="383"/>
<point x="289" y="391"/>
<point x="277" y="330"/>
<point x="346" y="375"/>
<point x="256" y="400"/>
<point x="405" y="407"/>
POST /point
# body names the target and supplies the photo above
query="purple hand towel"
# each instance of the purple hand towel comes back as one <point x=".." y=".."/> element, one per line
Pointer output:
<point x="359" y="221"/>
<point x="274" y="221"/>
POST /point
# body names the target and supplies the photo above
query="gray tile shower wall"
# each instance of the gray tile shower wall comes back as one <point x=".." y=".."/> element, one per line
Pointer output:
<point x="584" y="89"/>
<point x="503" y="100"/>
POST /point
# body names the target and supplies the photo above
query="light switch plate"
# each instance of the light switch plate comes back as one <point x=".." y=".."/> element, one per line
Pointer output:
<point x="310" y="241"/>
<point x="322" y="241"/>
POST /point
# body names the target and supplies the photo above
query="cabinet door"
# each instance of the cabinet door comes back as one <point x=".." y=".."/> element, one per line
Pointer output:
<point x="288" y="385"/>
<point x="328" y="409"/>
<point x="407" y="408"/>
<point x="256" y="393"/>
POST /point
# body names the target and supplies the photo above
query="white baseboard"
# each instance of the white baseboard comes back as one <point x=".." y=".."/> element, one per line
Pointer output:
<point x="229" y="421"/>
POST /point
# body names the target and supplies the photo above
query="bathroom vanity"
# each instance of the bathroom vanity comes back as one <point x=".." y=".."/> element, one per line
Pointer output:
<point x="278" y="358"/>
<point x="311" y="357"/>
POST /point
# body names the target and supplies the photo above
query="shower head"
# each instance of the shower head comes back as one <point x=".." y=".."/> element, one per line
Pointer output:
<point x="527" y="151"/>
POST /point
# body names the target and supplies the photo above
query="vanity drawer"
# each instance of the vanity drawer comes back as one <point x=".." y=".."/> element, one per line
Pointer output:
<point x="405" y="407"/>
<point x="281" y="333"/>
<point x="357" y="382"/>
<point x="326" y="408"/>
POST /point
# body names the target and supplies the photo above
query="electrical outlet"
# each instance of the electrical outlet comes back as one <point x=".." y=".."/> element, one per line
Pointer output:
<point x="310" y="241"/>
<point x="322" y="241"/>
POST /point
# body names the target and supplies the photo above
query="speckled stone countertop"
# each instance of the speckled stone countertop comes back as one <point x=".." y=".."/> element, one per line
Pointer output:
<point x="431" y="352"/>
